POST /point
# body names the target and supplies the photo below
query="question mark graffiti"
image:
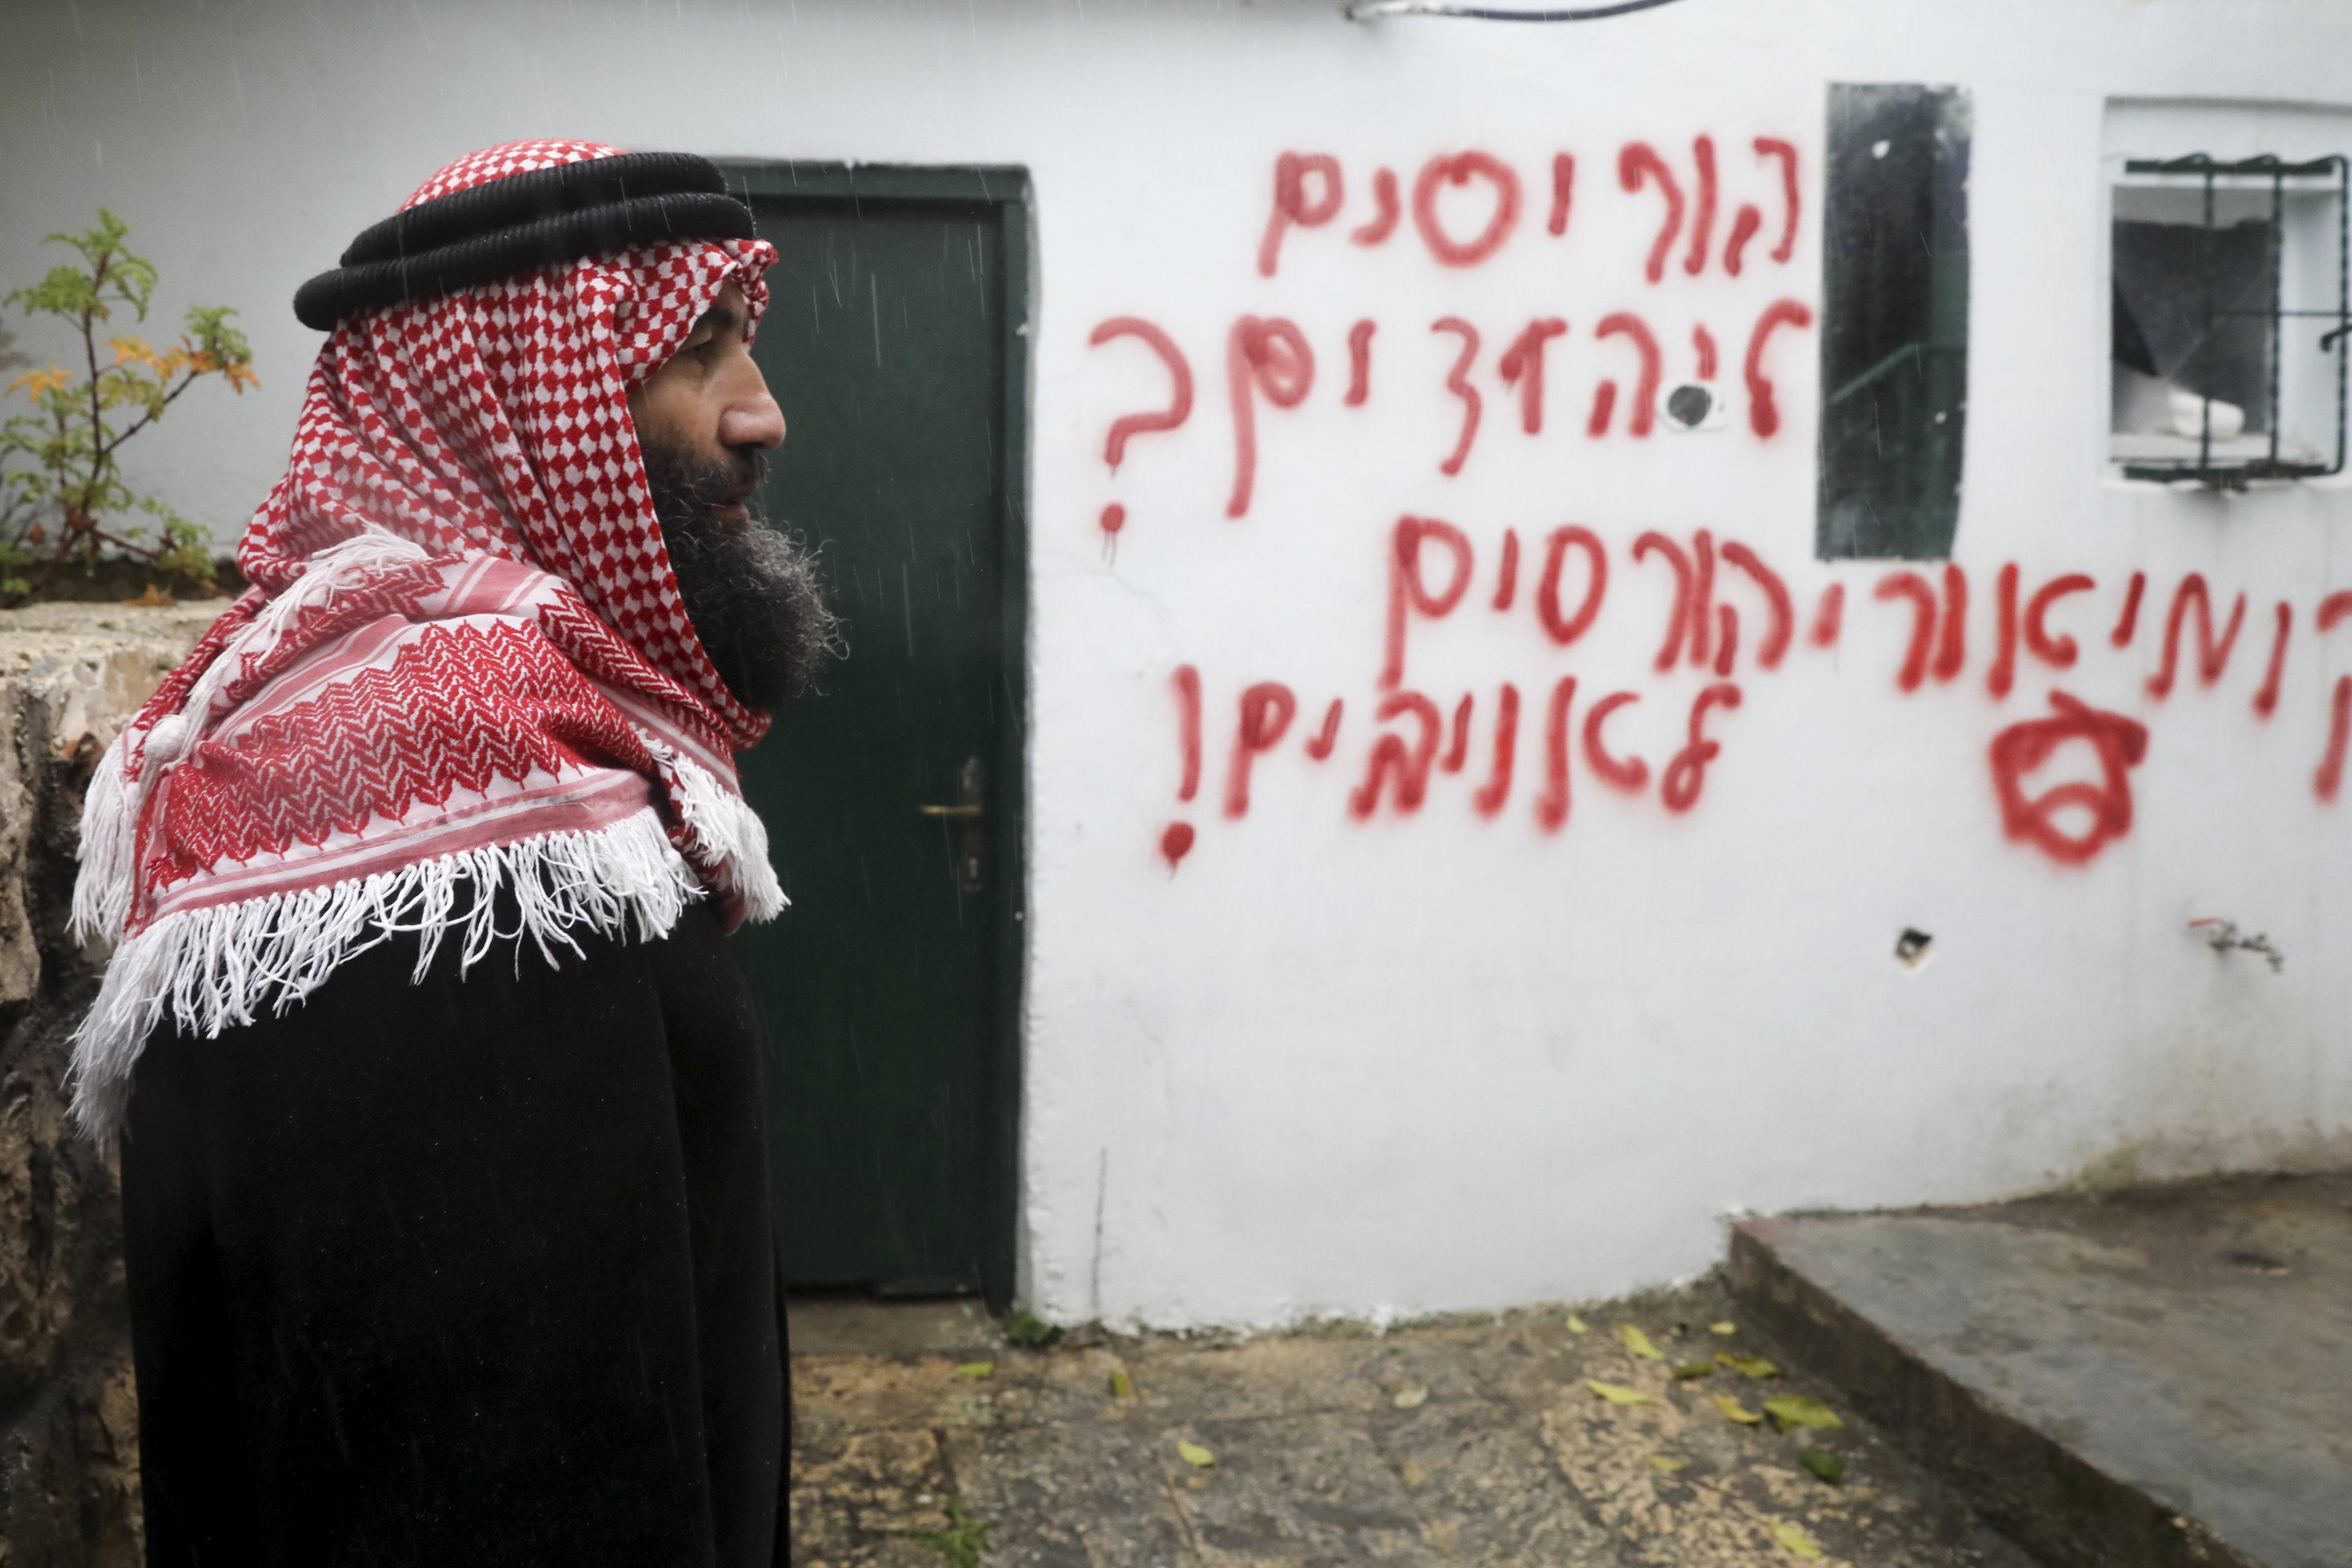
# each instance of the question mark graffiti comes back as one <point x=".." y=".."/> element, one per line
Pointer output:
<point x="1128" y="426"/>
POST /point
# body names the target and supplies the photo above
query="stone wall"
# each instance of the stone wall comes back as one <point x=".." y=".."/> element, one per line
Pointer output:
<point x="69" y="675"/>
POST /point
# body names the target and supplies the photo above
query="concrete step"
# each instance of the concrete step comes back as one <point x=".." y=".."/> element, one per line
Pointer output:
<point x="2155" y="1377"/>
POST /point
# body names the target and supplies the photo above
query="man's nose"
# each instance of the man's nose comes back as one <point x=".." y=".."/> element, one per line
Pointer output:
<point x="754" y="422"/>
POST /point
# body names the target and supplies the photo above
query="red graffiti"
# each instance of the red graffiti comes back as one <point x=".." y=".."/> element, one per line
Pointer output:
<point x="1773" y="147"/>
<point x="1645" y="390"/>
<point x="2118" y="743"/>
<point x="2266" y="700"/>
<point x="1497" y="790"/>
<point x="1629" y="774"/>
<point x="1187" y="681"/>
<point x="1175" y="843"/>
<point x="1701" y="619"/>
<point x="1267" y="712"/>
<point x="1458" y="750"/>
<point x="1685" y="776"/>
<point x="2003" y="674"/>
<point x="1829" y="617"/>
<point x="2212" y="658"/>
<point x="1726" y="639"/>
<point x="2334" y="608"/>
<point x="1319" y="747"/>
<point x="1703" y="209"/>
<point x="2058" y="652"/>
<point x="1180" y="379"/>
<point x="1292" y="206"/>
<point x="1563" y="190"/>
<point x="1457" y="381"/>
<point x="1912" y="586"/>
<point x="1703" y="347"/>
<point x="1507" y="580"/>
<point x="1775" y="645"/>
<point x="1460" y="170"/>
<point x="1113" y="519"/>
<point x="1261" y="356"/>
<point x="1384" y="217"/>
<point x="1566" y="629"/>
<point x="1604" y="404"/>
<point x="1638" y="163"/>
<point x="2128" y="622"/>
<point x="1393" y="759"/>
<point x="2330" y="776"/>
<point x="1408" y="595"/>
<point x="1743" y="229"/>
<point x="1522" y="367"/>
<point x="1678" y="621"/>
<point x="1552" y="806"/>
<point x="1952" y="647"/>
<point x="1763" y="412"/>
<point x="1359" y="362"/>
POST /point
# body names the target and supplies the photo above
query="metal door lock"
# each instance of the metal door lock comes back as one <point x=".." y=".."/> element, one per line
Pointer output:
<point x="972" y="811"/>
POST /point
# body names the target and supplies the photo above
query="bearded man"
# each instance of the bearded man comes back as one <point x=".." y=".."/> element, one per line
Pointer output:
<point x="445" y="1177"/>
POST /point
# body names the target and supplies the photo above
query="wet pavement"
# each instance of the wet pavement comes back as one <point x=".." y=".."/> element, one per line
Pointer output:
<point x="2162" y="1377"/>
<point x="1460" y="1443"/>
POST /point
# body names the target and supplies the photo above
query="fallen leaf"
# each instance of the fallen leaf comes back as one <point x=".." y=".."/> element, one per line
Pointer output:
<point x="1576" y="1325"/>
<point x="1617" y="1393"/>
<point x="1195" y="1454"/>
<point x="1411" y="1474"/>
<point x="1639" y="1342"/>
<point x="1660" y="1462"/>
<point x="977" y="1369"/>
<point x="1691" y="1369"/>
<point x="1753" y="1366"/>
<point x="1735" y="1411"/>
<point x="1829" y="1467"/>
<point x="1410" y="1397"/>
<point x="1796" y="1410"/>
<point x="1794" y="1540"/>
<point x="1121" y="1386"/>
<point x="1722" y="1328"/>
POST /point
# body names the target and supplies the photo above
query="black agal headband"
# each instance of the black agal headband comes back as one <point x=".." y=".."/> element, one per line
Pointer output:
<point x="538" y="218"/>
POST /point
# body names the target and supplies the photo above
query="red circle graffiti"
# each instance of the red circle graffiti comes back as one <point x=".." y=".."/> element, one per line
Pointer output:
<point x="1459" y="170"/>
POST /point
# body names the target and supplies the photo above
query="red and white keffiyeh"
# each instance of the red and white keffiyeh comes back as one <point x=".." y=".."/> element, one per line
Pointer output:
<point x="462" y="667"/>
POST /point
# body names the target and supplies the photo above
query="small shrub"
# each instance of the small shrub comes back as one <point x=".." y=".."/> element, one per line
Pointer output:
<point x="63" y="499"/>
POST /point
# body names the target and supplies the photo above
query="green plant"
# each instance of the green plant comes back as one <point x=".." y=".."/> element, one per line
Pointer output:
<point x="65" y="474"/>
<point x="1029" y="1331"/>
<point x="962" y="1542"/>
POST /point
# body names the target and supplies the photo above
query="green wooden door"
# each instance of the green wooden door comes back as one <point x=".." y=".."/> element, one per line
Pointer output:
<point x="892" y="795"/>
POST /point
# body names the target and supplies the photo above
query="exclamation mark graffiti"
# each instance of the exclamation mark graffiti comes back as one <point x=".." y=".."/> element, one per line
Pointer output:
<point x="1176" y="839"/>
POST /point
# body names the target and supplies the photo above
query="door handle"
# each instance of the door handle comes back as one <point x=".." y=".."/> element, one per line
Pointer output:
<point x="972" y="811"/>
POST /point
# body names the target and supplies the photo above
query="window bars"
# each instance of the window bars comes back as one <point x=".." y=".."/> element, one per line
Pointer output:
<point x="2203" y="368"/>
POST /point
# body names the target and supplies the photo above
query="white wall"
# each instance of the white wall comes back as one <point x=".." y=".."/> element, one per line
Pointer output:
<point x="1436" y="1062"/>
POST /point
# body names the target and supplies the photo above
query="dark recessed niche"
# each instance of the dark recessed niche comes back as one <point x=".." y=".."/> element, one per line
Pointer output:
<point x="1895" y="309"/>
<point x="1911" y="948"/>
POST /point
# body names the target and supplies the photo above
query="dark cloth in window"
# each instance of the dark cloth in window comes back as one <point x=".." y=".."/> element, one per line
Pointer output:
<point x="478" y="1270"/>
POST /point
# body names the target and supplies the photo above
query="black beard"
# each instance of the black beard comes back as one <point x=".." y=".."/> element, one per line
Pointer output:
<point x="753" y="592"/>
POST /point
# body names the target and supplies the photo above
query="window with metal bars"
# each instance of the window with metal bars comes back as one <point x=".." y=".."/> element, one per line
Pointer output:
<point x="2230" y="315"/>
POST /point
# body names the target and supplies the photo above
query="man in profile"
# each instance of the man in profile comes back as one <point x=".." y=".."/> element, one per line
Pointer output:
<point x="444" y="1172"/>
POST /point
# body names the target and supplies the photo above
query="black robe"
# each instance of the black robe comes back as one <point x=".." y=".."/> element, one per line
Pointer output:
<point x="471" y="1271"/>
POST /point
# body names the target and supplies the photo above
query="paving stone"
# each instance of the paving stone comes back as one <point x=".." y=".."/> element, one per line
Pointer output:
<point x="1302" y="1492"/>
<point x="1488" y="1491"/>
<point x="1071" y="1496"/>
<point x="1508" y="1460"/>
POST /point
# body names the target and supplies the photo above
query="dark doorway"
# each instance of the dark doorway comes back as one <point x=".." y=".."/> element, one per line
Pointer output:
<point x="895" y="340"/>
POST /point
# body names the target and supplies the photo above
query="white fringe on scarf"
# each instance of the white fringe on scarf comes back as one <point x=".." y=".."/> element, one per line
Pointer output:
<point x="228" y="964"/>
<point x="218" y="967"/>
<point x="109" y="811"/>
